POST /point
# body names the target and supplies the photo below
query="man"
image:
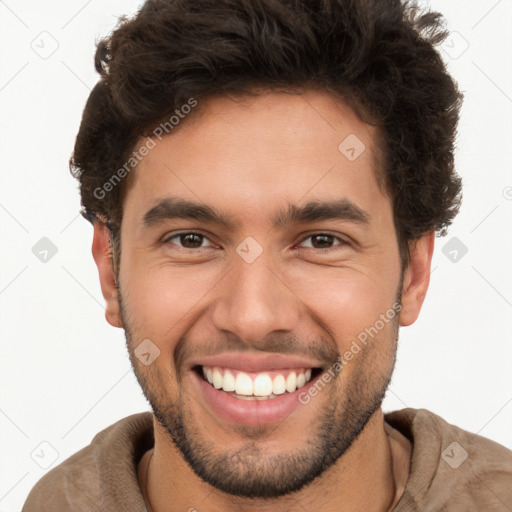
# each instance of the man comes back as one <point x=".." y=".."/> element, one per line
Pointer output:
<point x="265" y="179"/>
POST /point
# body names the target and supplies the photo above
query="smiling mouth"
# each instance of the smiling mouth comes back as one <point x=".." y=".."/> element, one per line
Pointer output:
<point x="265" y="385"/>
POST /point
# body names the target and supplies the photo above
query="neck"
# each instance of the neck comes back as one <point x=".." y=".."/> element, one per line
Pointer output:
<point x="370" y="476"/>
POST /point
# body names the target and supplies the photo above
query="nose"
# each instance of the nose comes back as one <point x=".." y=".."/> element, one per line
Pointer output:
<point x="254" y="301"/>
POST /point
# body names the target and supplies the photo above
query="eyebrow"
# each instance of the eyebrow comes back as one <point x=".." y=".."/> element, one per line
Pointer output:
<point x="177" y="208"/>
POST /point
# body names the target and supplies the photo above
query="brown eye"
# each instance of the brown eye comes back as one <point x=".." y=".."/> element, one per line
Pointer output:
<point x="187" y="240"/>
<point x="323" y="241"/>
<point x="191" y="240"/>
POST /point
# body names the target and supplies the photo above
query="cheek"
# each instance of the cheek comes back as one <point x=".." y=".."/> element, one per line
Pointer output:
<point x="346" y="300"/>
<point x="160" y="297"/>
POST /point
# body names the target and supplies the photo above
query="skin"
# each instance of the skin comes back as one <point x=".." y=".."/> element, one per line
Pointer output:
<point x="249" y="158"/>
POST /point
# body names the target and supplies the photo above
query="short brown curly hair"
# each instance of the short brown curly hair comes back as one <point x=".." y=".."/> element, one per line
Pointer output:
<point x="379" y="56"/>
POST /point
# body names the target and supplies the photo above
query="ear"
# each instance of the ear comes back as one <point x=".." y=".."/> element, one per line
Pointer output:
<point x="103" y="259"/>
<point x="416" y="278"/>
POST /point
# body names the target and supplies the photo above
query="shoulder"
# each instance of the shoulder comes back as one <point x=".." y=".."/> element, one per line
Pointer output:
<point x="98" y="473"/>
<point x="451" y="467"/>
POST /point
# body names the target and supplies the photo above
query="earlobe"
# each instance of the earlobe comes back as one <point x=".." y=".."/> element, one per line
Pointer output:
<point x="103" y="259"/>
<point x="416" y="278"/>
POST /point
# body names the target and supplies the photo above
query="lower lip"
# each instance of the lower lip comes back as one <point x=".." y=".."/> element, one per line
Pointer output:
<point x="251" y="412"/>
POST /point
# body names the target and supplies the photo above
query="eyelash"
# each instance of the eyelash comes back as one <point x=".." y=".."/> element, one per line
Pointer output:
<point x="320" y="233"/>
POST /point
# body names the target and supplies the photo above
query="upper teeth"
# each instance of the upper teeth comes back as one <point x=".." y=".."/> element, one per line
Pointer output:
<point x="256" y="384"/>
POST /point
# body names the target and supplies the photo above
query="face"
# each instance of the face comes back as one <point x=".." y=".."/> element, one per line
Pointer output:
<point x="260" y="271"/>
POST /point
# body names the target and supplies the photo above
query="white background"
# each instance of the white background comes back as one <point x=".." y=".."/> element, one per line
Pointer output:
<point x="65" y="372"/>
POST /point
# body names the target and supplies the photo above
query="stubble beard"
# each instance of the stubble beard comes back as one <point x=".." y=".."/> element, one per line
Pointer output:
<point x="249" y="471"/>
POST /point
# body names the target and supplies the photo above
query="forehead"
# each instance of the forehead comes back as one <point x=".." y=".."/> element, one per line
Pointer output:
<point x="251" y="154"/>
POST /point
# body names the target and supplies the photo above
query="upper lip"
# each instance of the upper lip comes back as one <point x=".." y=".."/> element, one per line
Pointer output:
<point x="256" y="363"/>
